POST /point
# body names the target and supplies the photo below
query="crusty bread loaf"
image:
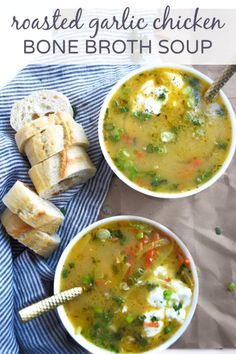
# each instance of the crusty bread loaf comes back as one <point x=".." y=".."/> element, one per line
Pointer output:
<point x="40" y="242"/>
<point x="63" y="132"/>
<point x="73" y="132"/>
<point x="39" y="103"/>
<point x="61" y="171"/>
<point x="32" y="209"/>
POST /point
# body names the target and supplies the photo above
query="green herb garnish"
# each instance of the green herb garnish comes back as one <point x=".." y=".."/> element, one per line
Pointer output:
<point x="142" y="116"/>
<point x="231" y="286"/>
<point x="63" y="210"/>
<point x="109" y="126"/>
<point x="65" y="273"/>
<point x="88" y="280"/>
<point x="118" y="300"/>
<point x="167" y="294"/>
<point x="130" y="318"/>
<point x="218" y="230"/>
<point x="167" y="329"/>
<point x="151" y="286"/>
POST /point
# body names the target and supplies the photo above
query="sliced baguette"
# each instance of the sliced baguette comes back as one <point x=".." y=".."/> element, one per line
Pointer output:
<point x="31" y="129"/>
<point x="32" y="209"/>
<point x="73" y="132"/>
<point x="44" y="145"/>
<point x="40" y="242"/>
<point x="14" y="226"/>
<point x="61" y="171"/>
<point x="37" y="104"/>
<point x="66" y="132"/>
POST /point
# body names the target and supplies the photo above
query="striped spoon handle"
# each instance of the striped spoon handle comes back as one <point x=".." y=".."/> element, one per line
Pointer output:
<point x="28" y="313"/>
<point x="219" y="83"/>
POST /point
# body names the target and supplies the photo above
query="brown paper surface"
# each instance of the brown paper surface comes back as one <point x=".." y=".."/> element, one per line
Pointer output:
<point x="194" y="220"/>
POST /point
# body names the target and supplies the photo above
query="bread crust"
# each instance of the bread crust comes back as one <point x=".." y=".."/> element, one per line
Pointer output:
<point x="32" y="209"/>
<point x="61" y="171"/>
<point x="38" y="241"/>
<point x="38" y="104"/>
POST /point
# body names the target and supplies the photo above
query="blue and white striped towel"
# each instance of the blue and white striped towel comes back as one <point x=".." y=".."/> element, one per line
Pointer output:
<point x="24" y="276"/>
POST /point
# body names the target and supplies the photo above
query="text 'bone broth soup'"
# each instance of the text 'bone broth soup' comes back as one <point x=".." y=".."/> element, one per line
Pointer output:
<point x="162" y="135"/>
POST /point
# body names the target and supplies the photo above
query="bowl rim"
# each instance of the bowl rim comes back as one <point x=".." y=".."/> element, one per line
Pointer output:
<point x="62" y="314"/>
<point x="166" y="195"/>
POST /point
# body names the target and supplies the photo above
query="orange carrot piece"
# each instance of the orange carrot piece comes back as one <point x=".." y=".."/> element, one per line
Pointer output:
<point x="139" y="154"/>
<point x="196" y="162"/>
<point x="127" y="139"/>
<point x="151" y="324"/>
<point x="140" y="181"/>
<point x="100" y="282"/>
<point x="167" y="279"/>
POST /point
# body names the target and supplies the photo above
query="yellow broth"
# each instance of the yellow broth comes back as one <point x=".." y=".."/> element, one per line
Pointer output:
<point x="115" y="264"/>
<point x="162" y="135"/>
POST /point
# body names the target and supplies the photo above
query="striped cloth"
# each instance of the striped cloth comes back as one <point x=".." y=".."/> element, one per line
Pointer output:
<point x="24" y="276"/>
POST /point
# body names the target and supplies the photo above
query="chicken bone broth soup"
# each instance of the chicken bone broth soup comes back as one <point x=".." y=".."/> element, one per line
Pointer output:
<point x="138" y="286"/>
<point x="162" y="135"/>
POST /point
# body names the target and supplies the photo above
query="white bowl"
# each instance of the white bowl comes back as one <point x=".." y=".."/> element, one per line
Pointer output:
<point x="61" y="311"/>
<point x="131" y="184"/>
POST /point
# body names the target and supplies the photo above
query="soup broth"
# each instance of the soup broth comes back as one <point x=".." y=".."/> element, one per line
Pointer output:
<point x="137" y="286"/>
<point x="162" y="135"/>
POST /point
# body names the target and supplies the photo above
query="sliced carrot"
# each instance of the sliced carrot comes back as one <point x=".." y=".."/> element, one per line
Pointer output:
<point x="180" y="257"/>
<point x="140" y="181"/>
<point x="155" y="236"/>
<point x="196" y="162"/>
<point x="128" y="273"/>
<point x="190" y="168"/>
<point x="100" y="282"/>
<point x="139" y="154"/>
<point x="127" y="139"/>
<point x="167" y="279"/>
<point x="186" y="261"/>
<point x="149" y="258"/>
<point x="151" y="324"/>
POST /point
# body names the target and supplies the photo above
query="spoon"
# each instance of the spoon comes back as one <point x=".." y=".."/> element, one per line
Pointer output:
<point x="219" y="82"/>
<point x="35" y="310"/>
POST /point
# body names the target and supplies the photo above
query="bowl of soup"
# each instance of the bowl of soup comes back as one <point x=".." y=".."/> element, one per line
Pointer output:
<point x="160" y="137"/>
<point x="140" y="286"/>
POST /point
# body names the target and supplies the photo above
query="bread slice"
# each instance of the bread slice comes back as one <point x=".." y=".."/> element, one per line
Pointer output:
<point x="14" y="226"/>
<point x="40" y="242"/>
<point x="63" y="132"/>
<point x="37" y="104"/>
<point x="33" y="210"/>
<point x="45" y="144"/>
<point x="73" y="132"/>
<point x="61" y="171"/>
<point x="30" y="129"/>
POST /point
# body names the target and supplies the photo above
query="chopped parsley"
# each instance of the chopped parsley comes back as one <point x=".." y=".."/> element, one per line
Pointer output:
<point x="218" y="230"/>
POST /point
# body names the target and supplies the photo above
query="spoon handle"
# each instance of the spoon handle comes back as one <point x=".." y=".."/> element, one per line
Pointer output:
<point x="219" y="82"/>
<point x="28" y="313"/>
